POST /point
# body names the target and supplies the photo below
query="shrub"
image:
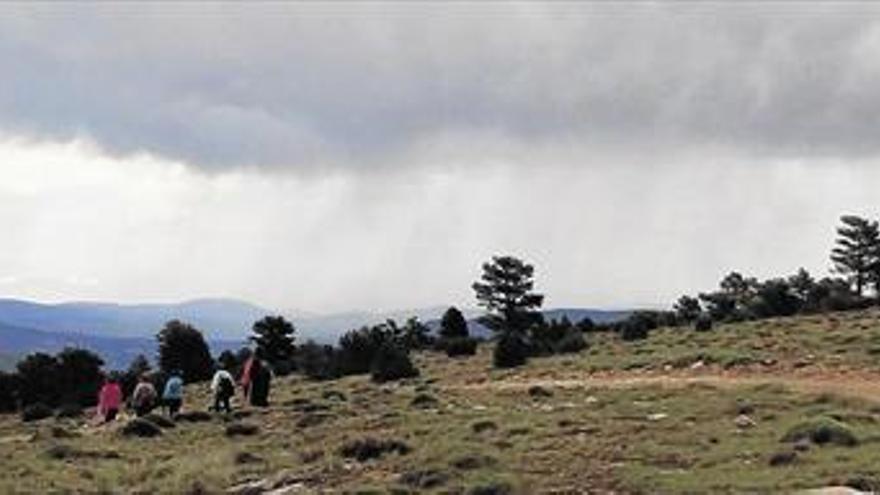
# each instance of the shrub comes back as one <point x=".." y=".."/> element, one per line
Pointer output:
<point x="8" y="392"/>
<point x="392" y="363"/>
<point x="572" y="342"/>
<point x="358" y="349"/>
<point x="424" y="478"/>
<point x="459" y="346"/>
<point x="140" y="427"/>
<point x="510" y="351"/>
<point x="424" y="401"/>
<point x="318" y="362"/>
<point x="69" y="411"/>
<point x="370" y="448"/>
<point x="242" y="429"/>
<point x="160" y="421"/>
<point x="194" y="416"/>
<point x="703" y="323"/>
<point x="35" y="412"/>
<point x="822" y="431"/>
<point x="634" y="328"/>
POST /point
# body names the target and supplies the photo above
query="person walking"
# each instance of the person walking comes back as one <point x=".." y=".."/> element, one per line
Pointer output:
<point x="223" y="387"/>
<point x="143" y="399"/>
<point x="172" y="396"/>
<point x="261" y="380"/>
<point x="109" y="399"/>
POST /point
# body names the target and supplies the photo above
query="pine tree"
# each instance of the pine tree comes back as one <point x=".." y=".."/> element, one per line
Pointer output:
<point x="453" y="325"/>
<point x="857" y="252"/>
<point x="182" y="347"/>
<point x="274" y="337"/>
<point x="505" y="290"/>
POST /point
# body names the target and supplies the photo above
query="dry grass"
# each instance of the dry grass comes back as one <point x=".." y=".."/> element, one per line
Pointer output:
<point x="639" y="438"/>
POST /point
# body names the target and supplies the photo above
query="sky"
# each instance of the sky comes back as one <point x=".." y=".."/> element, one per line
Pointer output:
<point x="337" y="156"/>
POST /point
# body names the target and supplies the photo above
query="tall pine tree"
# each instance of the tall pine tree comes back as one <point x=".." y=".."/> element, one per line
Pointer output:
<point x="505" y="290"/>
<point x="856" y="254"/>
<point x="274" y="338"/>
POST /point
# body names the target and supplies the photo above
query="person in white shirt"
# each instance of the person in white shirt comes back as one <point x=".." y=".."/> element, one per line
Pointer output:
<point x="223" y="387"/>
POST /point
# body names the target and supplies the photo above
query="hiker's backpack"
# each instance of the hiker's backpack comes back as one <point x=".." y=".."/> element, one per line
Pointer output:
<point x="227" y="388"/>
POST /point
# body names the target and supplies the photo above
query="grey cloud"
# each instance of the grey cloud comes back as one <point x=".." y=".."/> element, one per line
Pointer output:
<point x="282" y="85"/>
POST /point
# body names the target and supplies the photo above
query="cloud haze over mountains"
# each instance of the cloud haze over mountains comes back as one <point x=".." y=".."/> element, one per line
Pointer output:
<point x="353" y="155"/>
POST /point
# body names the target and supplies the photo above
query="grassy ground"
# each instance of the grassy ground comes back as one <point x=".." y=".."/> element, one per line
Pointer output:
<point x="465" y="430"/>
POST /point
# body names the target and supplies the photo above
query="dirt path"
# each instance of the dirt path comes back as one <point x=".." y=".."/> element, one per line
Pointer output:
<point x="858" y="385"/>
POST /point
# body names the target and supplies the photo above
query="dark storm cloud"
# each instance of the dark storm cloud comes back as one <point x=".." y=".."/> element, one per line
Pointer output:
<point x="230" y="85"/>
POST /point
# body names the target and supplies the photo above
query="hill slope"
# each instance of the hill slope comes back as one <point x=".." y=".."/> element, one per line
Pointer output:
<point x="680" y="412"/>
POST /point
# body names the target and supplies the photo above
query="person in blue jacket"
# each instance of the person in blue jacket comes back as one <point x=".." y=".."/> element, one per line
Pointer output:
<point x="172" y="397"/>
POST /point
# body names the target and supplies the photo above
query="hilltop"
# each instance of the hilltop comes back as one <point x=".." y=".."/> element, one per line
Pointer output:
<point x="764" y="406"/>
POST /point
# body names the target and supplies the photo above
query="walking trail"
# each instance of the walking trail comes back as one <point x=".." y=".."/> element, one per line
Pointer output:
<point x="862" y="385"/>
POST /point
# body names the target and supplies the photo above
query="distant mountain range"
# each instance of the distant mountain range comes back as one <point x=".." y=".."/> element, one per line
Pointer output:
<point x="119" y="332"/>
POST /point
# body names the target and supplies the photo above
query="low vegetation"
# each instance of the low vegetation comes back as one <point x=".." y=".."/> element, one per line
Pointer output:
<point x="732" y="390"/>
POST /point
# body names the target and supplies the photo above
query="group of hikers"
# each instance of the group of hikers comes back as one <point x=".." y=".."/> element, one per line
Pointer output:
<point x="255" y="381"/>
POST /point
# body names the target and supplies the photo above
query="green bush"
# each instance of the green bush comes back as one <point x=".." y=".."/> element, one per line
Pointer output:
<point x="703" y="323"/>
<point x="572" y="342"/>
<point x="392" y="363"/>
<point x="822" y="431"/>
<point x="510" y="351"/>
<point x="459" y="346"/>
<point x="35" y="412"/>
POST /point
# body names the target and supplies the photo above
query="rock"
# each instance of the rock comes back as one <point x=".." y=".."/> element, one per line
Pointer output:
<point x="140" y="427"/>
<point x="834" y="490"/>
<point x="657" y="416"/>
<point x="334" y="395"/>
<point x="697" y="365"/>
<point x="743" y="421"/>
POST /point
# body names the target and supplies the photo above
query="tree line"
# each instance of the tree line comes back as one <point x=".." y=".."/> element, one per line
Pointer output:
<point x="505" y="291"/>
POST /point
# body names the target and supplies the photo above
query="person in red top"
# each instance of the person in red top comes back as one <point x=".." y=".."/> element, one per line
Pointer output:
<point x="109" y="399"/>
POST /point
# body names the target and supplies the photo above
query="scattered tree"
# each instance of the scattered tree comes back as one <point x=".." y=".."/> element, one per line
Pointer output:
<point x="687" y="309"/>
<point x="392" y="362"/>
<point x="453" y="324"/>
<point x="505" y="291"/>
<point x="274" y="339"/>
<point x="511" y="350"/>
<point x="182" y="347"/>
<point x="38" y="380"/>
<point x="856" y="254"/>
<point x="79" y="376"/>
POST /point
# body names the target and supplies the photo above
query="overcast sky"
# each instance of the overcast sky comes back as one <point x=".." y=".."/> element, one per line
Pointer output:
<point x="335" y="156"/>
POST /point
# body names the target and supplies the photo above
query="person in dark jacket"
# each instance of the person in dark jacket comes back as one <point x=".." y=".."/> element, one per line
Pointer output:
<point x="256" y="381"/>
